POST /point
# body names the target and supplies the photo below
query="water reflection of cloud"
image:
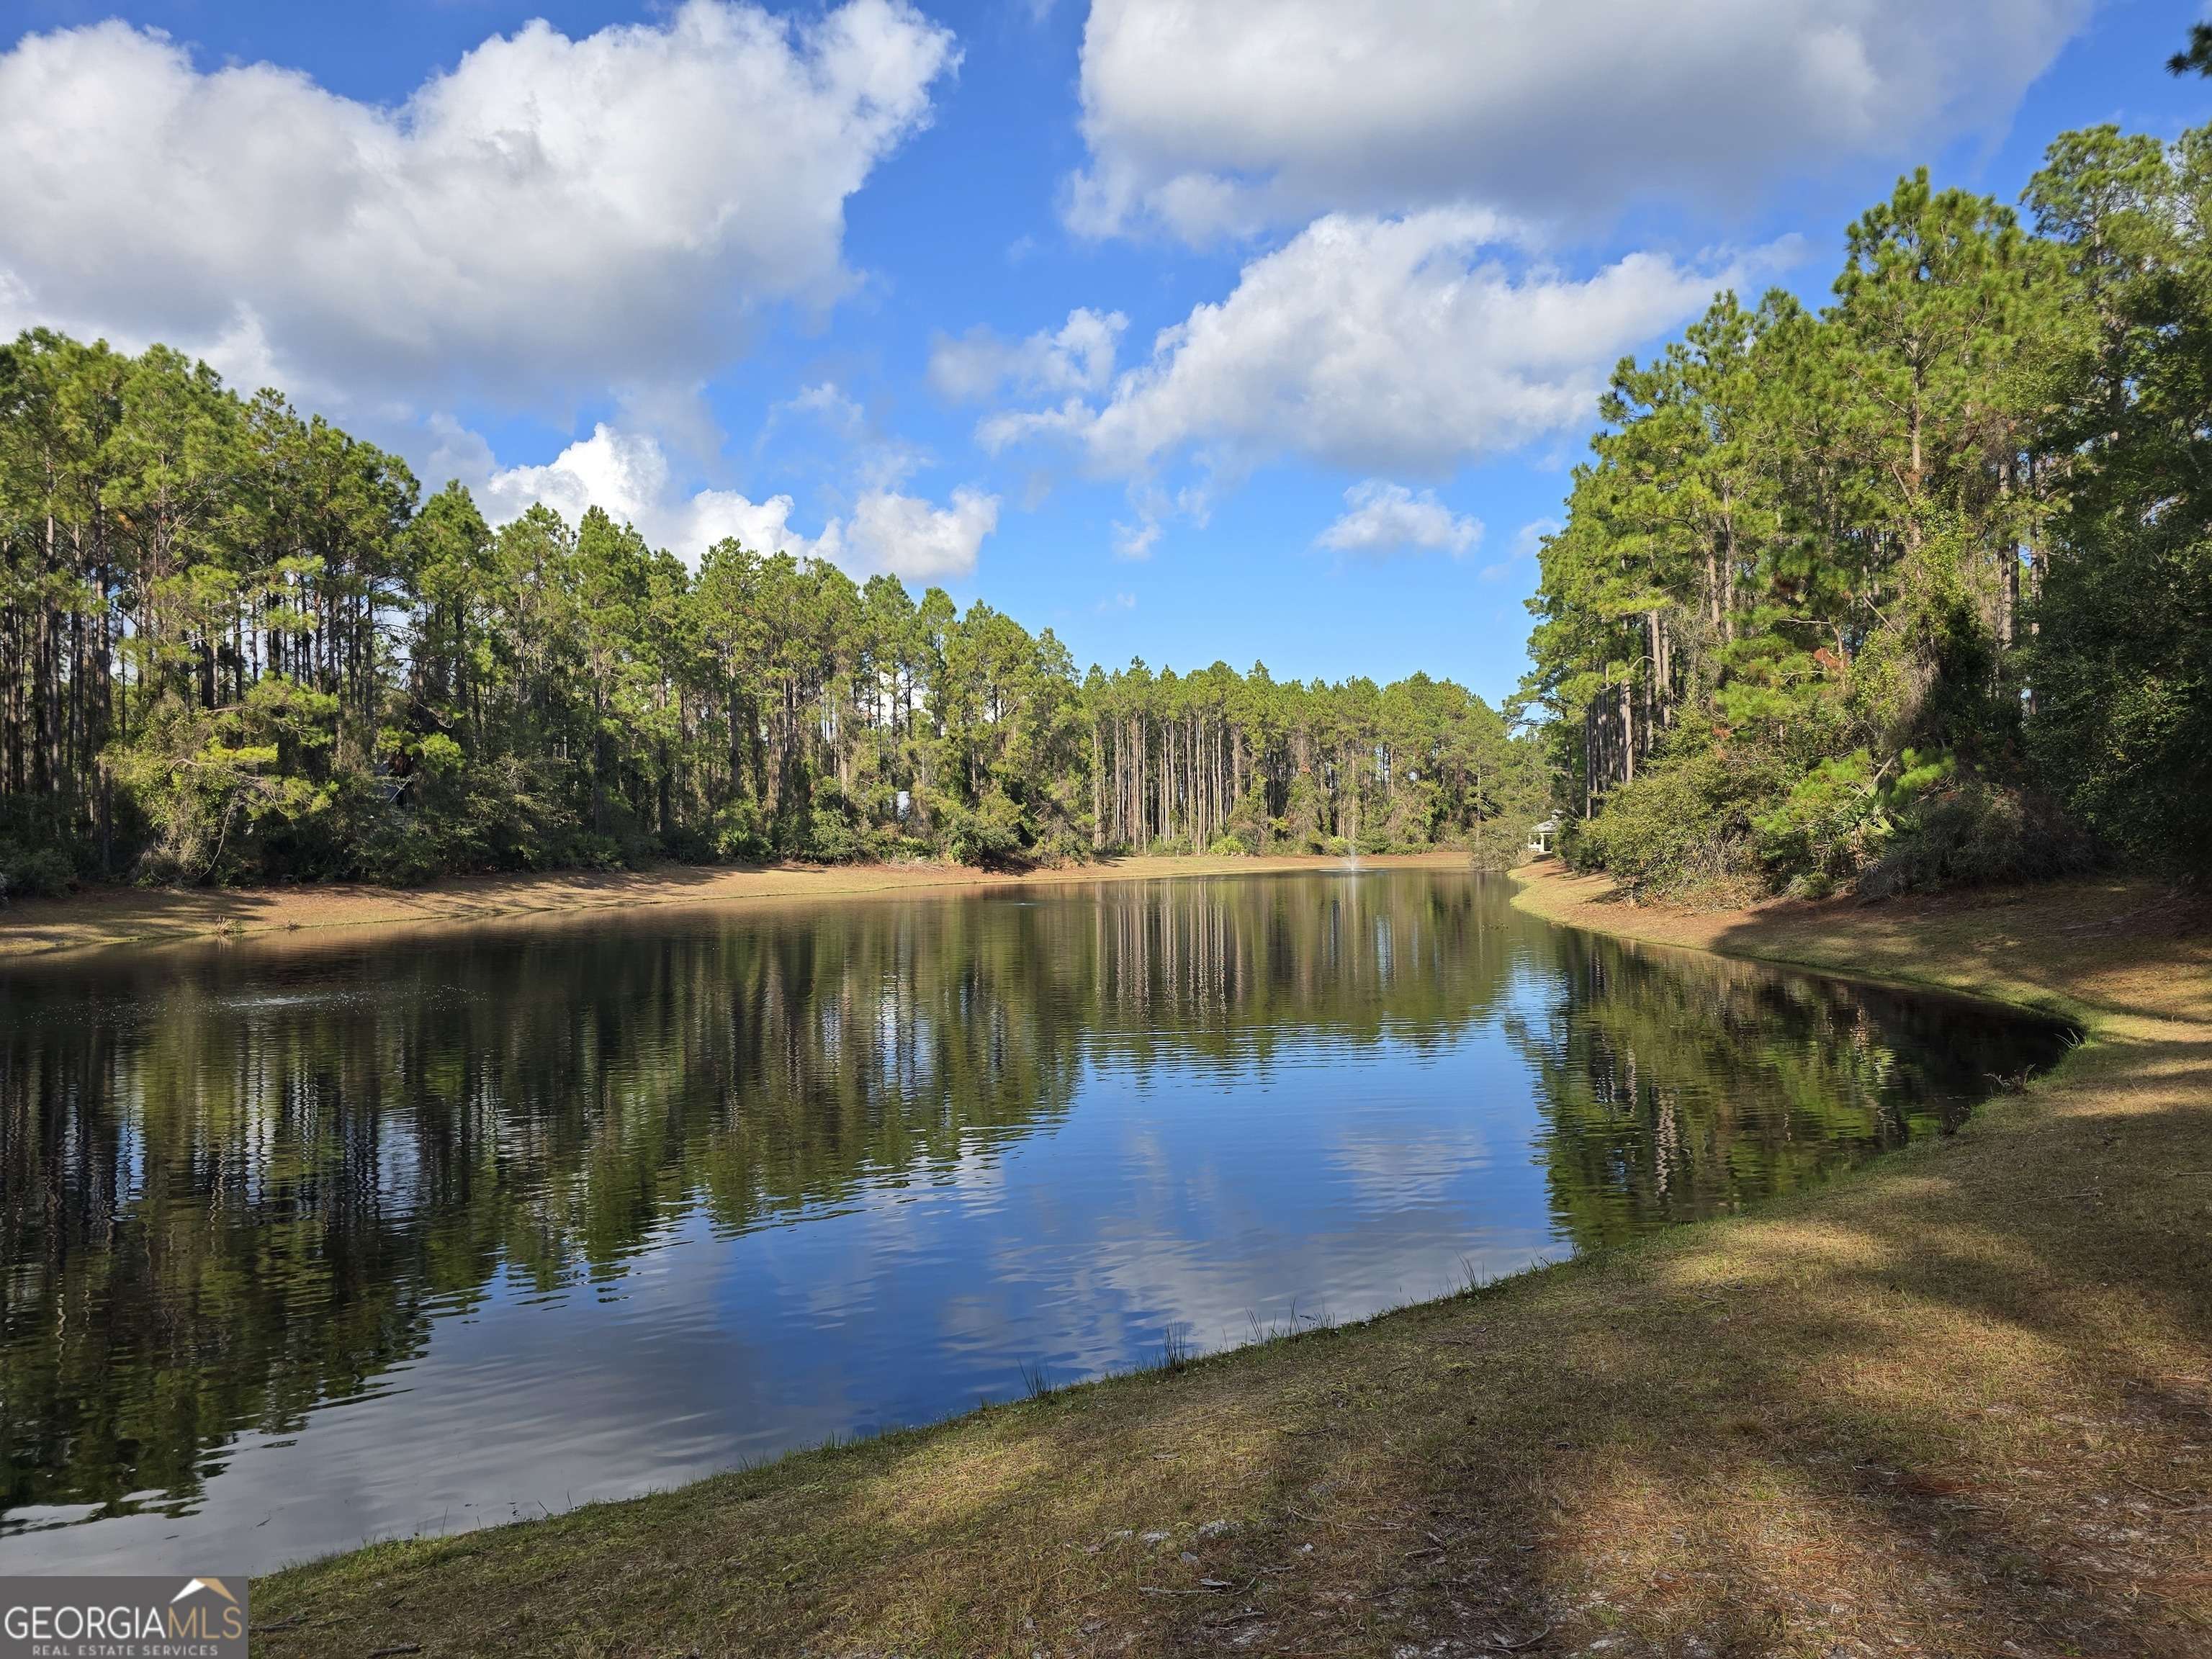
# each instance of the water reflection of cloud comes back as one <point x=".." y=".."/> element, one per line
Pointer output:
<point x="1407" y="1169"/>
<point x="679" y="1192"/>
<point x="523" y="1409"/>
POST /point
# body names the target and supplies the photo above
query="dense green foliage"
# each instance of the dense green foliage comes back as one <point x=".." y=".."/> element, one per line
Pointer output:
<point x="238" y="646"/>
<point x="1916" y="590"/>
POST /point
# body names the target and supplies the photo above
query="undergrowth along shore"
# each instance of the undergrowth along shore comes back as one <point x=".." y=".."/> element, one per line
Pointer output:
<point x="1958" y="1402"/>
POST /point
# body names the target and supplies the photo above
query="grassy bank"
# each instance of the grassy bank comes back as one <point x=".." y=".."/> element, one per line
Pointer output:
<point x="1956" y="1404"/>
<point x="134" y="916"/>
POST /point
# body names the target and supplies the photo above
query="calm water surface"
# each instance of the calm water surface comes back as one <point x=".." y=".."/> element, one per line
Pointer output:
<point x="307" y="1243"/>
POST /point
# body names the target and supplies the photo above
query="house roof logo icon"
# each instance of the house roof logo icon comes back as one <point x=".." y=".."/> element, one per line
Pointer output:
<point x="194" y="1587"/>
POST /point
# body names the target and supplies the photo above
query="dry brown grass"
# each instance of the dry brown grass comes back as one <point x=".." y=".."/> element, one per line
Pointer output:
<point x="1956" y="1404"/>
<point x="103" y="916"/>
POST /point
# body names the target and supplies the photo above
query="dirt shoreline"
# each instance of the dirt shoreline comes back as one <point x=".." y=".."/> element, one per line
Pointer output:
<point x="106" y="916"/>
<point x="1958" y="1403"/>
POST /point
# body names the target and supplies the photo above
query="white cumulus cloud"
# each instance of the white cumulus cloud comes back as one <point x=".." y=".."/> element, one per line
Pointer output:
<point x="1233" y="114"/>
<point x="719" y="515"/>
<point x="1379" y="345"/>
<point x="1380" y="517"/>
<point x="552" y="213"/>
<point x="913" y="539"/>
<point x="626" y="475"/>
<point x="1136" y="540"/>
<point x="1078" y="356"/>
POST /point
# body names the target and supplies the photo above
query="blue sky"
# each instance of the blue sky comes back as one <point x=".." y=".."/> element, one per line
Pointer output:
<point x="909" y="266"/>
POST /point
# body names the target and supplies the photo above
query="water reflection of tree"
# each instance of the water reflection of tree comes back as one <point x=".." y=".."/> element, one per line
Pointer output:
<point x="1682" y="1086"/>
<point x="1238" y="972"/>
<point x="240" y="1189"/>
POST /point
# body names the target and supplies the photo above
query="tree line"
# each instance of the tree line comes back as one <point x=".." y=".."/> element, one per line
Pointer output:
<point x="236" y="644"/>
<point x="1915" y="588"/>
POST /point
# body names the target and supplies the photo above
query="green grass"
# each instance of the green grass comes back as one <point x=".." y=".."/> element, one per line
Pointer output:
<point x="1955" y="1403"/>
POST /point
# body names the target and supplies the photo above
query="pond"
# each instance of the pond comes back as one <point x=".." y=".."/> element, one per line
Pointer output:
<point x="311" y="1241"/>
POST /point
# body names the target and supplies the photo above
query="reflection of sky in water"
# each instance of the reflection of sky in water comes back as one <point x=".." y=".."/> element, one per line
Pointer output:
<point x="1335" y="1175"/>
<point x="1348" y="1181"/>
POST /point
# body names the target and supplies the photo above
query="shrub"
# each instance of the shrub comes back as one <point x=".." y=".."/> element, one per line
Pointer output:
<point x="1300" y="824"/>
<point x="1249" y="821"/>
<point x="1229" y="846"/>
<point x="402" y="850"/>
<point x="1415" y="814"/>
<point x="1497" y="843"/>
<point x="27" y="871"/>
<point x="1682" y="831"/>
<point x="588" y="850"/>
<point x="987" y="833"/>
<point x="741" y="833"/>
<point x="1967" y="831"/>
<point x="831" y="837"/>
<point x="216" y="787"/>
<point x="1825" y="827"/>
<point x="1061" y="848"/>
